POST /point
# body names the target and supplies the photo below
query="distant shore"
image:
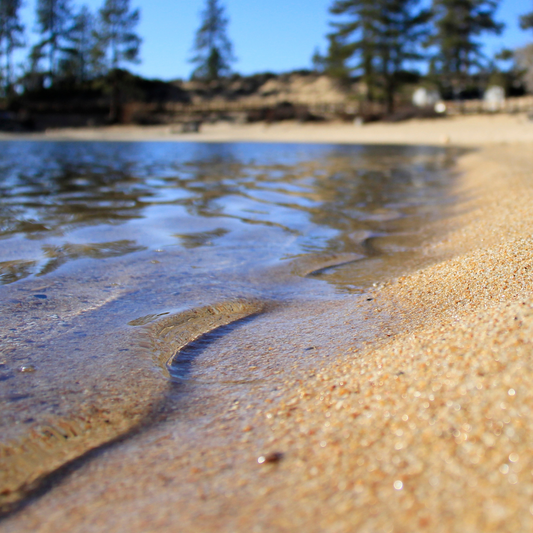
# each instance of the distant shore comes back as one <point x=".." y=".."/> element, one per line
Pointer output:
<point x="473" y="130"/>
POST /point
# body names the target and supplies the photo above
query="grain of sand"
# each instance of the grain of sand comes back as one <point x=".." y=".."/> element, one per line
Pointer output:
<point x="428" y="427"/>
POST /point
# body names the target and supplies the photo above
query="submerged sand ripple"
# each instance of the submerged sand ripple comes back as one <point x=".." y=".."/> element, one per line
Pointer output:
<point x="71" y="406"/>
<point x="55" y="439"/>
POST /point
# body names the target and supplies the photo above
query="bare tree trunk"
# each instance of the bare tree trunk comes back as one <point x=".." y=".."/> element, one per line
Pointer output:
<point x="9" y="71"/>
<point x="114" y="106"/>
<point x="389" y="94"/>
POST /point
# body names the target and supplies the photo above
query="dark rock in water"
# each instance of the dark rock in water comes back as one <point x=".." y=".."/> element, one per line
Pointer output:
<point x="26" y="369"/>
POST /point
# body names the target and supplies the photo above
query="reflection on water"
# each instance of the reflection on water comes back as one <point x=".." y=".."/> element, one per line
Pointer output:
<point x="62" y="201"/>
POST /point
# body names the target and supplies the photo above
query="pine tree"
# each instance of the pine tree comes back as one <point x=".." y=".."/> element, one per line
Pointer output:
<point x="524" y="55"/>
<point x="524" y="60"/>
<point x="118" y="43"/>
<point x="212" y="47"/>
<point x="86" y="53"/>
<point x="459" y="23"/>
<point x="117" y="32"/>
<point x="380" y="36"/>
<point x="11" y="33"/>
<point x="54" y="20"/>
<point x="334" y="63"/>
<point x="33" y="78"/>
<point x="359" y="18"/>
<point x="526" y="21"/>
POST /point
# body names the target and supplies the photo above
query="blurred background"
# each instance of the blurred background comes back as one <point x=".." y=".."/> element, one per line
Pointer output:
<point x="74" y="63"/>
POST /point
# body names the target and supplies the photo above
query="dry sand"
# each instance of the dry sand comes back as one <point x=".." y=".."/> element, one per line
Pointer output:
<point x="461" y="131"/>
<point x="428" y="427"/>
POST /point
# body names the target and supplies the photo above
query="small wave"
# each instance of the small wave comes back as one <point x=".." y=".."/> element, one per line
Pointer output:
<point x="314" y="264"/>
<point x="169" y="336"/>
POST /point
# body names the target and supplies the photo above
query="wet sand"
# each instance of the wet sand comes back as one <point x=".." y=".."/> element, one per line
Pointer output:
<point x="423" y="424"/>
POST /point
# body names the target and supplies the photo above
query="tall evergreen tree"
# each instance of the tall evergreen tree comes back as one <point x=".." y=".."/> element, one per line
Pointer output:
<point x="381" y="36"/>
<point x="86" y="53"/>
<point x="335" y="62"/>
<point x="524" y="60"/>
<point x="119" y="43"/>
<point x="526" y="21"/>
<point x="354" y="39"/>
<point x="117" y="32"/>
<point x="54" y="20"/>
<point x="459" y="23"/>
<point x="524" y="55"/>
<point x="212" y="47"/>
<point x="11" y="33"/>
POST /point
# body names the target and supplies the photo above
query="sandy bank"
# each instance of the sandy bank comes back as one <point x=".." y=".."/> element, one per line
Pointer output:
<point x="464" y="130"/>
<point x="427" y="428"/>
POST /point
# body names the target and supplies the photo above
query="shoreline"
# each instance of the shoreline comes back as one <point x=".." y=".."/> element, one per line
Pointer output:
<point x="428" y="428"/>
<point x="467" y="131"/>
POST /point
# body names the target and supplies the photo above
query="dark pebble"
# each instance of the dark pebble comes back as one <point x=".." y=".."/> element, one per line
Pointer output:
<point x="270" y="458"/>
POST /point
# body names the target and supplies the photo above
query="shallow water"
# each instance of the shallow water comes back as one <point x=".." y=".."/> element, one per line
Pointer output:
<point x="254" y="203"/>
<point x="122" y="262"/>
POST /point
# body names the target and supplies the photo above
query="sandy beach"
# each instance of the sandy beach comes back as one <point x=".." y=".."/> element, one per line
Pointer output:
<point x="469" y="131"/>
<point x="425" y="424"/>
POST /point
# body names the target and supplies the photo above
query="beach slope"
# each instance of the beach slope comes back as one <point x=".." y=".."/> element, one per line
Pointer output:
<point x="428" y="426"/>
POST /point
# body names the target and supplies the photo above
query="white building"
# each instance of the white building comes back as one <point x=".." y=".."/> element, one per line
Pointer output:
<point x="494" y="98"/>
<point x="423" y="97"/>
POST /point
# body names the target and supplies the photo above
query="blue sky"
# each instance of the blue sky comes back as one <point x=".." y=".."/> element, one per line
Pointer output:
<point x="268" y="35"/>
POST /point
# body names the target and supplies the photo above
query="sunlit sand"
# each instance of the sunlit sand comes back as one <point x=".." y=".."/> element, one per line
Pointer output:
<point x="456" y="130"/>
<point x="427" y="426"/>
